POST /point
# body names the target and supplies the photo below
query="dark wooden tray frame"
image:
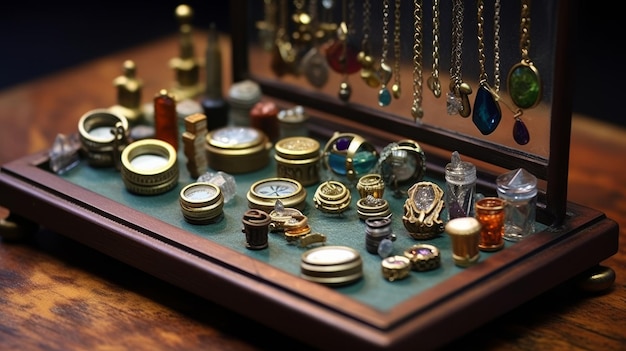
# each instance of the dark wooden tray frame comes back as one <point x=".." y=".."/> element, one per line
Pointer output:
<point x="577" y="239"/>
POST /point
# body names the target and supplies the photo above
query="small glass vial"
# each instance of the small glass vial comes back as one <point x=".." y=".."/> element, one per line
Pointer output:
<point x="490" y="214"/>
<point x="165" y="118"/>
<point x="293" y="122"/>
<point x="460" y="188"/>
<point x="519" y="189"/>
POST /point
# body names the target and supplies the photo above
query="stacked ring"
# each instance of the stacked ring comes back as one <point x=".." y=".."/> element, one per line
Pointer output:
<point x="202" y="203"/>
<point x="332" y="197"/>
<point x="103" y="136"/>
<point x="149" y="167"/>
<point x="371" y="184"/>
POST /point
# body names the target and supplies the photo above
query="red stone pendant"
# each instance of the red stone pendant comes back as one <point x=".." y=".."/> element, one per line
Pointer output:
<point x="343" y="62"/>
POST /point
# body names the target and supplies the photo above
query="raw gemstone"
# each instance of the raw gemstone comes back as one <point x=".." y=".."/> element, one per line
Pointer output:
<point x="384" y="97"/>
<point x="520" y="132"/>
<point x="345" y="62"/>
<point x="224" y="181"/>
<point x="456" y="211"/>
<point x="64" y="153"/>
<point x="487" y="114"/>
<point x="524" y="85"/>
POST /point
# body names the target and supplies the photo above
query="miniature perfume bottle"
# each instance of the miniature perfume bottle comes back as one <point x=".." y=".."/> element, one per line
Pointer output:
<point x="519" y="189"/>
<point x="460" y="187"/>
<point x="165" y="118"/>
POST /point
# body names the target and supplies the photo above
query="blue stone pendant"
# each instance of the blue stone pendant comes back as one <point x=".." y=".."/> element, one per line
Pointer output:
<point x="487" y="114"/>
<point x="384" y="97"/>
<point x="520" y="132"/>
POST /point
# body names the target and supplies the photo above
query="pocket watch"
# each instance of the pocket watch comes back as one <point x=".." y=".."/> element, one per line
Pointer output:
<point x="237" y="149"/>
<point x="264" y="193"/>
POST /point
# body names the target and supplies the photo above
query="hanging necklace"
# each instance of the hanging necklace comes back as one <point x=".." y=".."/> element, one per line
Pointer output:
<point x="416" y="110"/>
<point x="369" y="72"/>
<point x="343" y="32"/>
<point x="396" y="90"/>
<point x="457" y="99"/>
<point x="313" y="63"/>
<point x="433" y="81"/>
<point x="384" y="96"/>
<point x="487" y="114"/>
<point x="524" y="83"/>
<point x="283" y="54"/>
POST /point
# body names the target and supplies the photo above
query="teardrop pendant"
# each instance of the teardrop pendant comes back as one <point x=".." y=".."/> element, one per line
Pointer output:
<point x="384" y="97"/>
<point x="487" y="114"/>
<point x="520" y="132"/>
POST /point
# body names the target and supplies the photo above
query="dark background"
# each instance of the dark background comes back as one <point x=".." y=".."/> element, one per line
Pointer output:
<point x="39" y="38"/>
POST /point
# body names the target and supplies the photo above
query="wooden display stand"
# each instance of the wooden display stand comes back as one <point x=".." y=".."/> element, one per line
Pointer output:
<point x="575" y="239"/>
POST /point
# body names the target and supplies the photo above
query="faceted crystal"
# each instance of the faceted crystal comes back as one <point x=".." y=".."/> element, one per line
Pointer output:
<point x="453" y="104"/>
<point x="487" y="114"/>
<point x="224" y="181"/>
<point x="520" y="132"/>
<point x="64" y="153"/>
<point x="524" y="85"/>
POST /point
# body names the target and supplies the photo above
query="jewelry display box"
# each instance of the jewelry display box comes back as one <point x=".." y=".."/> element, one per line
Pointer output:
<point x="430" y="308"/>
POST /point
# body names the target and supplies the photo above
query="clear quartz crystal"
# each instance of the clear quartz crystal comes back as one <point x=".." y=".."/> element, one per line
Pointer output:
<point x="64" y="153"/>
<point x="224" y="181"/>
<point x="279" y="207"/>
<point x="460" y="187"/>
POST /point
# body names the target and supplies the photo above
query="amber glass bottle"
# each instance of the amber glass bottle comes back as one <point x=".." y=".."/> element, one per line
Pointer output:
<point x="165" y="118"/>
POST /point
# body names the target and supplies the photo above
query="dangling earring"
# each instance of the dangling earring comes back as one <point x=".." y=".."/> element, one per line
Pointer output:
<point x="487" y="114"/>
<point x="457" y="99"/>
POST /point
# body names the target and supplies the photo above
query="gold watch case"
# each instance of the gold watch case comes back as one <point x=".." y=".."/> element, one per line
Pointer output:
<point x="298" y="158"/>
<point x="237" y="149"/>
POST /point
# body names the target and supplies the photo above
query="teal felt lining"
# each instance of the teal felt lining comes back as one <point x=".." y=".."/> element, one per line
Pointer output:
<point x="345" y="229"/>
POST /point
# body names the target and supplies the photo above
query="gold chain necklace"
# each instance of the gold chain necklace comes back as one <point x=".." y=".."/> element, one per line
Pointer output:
<point x="416" y="110"/>
<point x="433" y="81"/>
<point x="396" y="90"/>
<point x="457" y="98"/>
<point x="524" y="83"/>
<point x="384" y="96"/>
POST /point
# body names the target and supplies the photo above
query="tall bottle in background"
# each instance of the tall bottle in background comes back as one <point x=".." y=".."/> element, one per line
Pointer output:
<point x="215" y="107"/>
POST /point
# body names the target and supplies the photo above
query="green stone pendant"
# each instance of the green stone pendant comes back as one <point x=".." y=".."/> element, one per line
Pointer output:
<point x="524" y="85"/>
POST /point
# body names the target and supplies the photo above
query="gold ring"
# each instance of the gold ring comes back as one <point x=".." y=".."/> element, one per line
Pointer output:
<point x="149" y="166"/>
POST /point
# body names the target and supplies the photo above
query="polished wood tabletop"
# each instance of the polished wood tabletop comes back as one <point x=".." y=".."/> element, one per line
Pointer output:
<point x="57" y="294"/>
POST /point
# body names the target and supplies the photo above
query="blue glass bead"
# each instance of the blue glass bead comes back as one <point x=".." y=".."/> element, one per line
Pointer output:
<point x="363" y="161"/>
<point x="385" y="247"/>
<point x="337" y="163"/>
<point x="487" y="114"/>
<point x="384" y="97"/>
<point x="520" y="132"/>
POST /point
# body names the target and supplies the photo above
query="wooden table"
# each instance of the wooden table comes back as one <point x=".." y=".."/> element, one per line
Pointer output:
<point x="59" y="294"/>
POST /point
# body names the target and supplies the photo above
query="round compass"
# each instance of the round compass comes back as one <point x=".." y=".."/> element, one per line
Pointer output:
<point x="264" y="193"/>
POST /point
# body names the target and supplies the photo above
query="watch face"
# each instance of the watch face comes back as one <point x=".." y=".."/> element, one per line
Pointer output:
<point x="229" y="137"/>
<point x="200" y="192"/>
<point x="330" y="255"/>
<point x="276" y="188"/>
